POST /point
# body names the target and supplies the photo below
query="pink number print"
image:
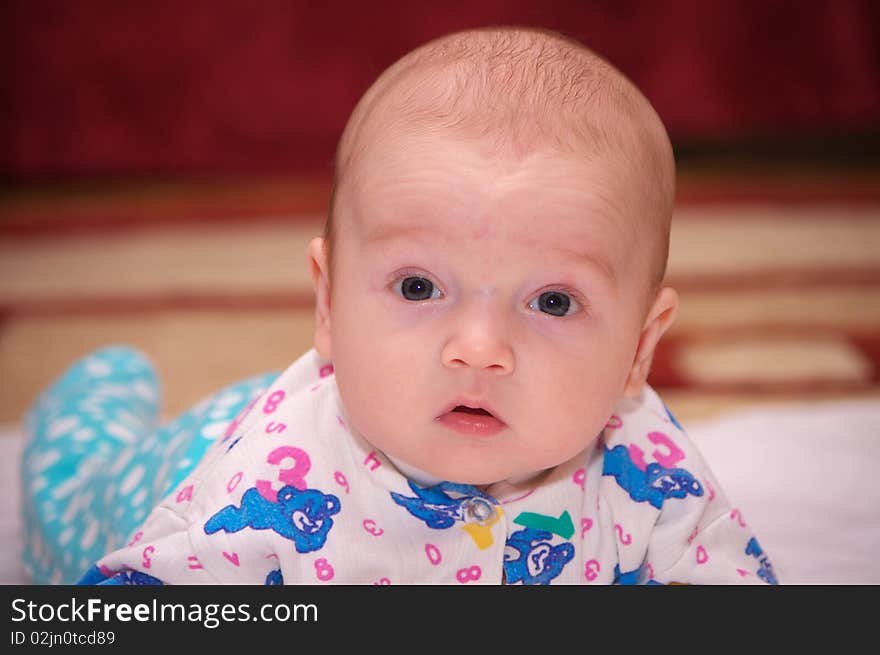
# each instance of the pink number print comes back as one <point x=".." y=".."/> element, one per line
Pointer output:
<point x="233" y="558"/>
<point x="326" y="369"/>
<point x="433" y="554"/>
<point x="272" y="427"/>
<point x="737" y="515"/>
<point x="586" y="524"/>
<point x="637" y="455"/>
<point x="666" y="460"/>
<point x="273" y="401"/>
<point x="711" y="491"/>
<point x="370" y="526"/>
<point x="323" y="570"/>
<point x="625" y="539"/>
<point x="382" y="581"/>
<point x="702" y="555"/>
<point x="136" y="538"/>
<point x="469" y="574"/>
<point x="233" y="481"/>
<point x="694" y="534"/>
<point x="372" y="461"/>
<point x="669" y="459"/>
<point x="185" y="494"/>
<point x="614" y="422"/>
<point x="292" y="476"/>
<point x="147" y="562"/>
<point x="194" y="562"/>
<point x="342" y="481"/>
<point x="650" y="570"/>
<point x="591" y="570"/>
<point x="580" y="478"/>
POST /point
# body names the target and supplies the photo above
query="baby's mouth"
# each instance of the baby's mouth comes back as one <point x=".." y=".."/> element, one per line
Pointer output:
<point x="472" y="410"/>
<point x="473" y="421"/>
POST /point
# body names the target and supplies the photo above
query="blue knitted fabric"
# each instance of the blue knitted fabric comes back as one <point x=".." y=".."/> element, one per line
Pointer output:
<point x="98" y="457"/>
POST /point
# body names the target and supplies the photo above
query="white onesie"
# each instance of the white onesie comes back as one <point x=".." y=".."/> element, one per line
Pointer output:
<point x="293" y="495"/>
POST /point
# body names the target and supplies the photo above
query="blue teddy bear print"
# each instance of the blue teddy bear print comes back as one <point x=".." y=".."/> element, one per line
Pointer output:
<point x="765" y="572"/>
<point x="435" y="506"/>
<point x="96" y="576"/>
<point x="655" y="484"/>
<point x="536" y="561"/>
<point x="301" y="516"/>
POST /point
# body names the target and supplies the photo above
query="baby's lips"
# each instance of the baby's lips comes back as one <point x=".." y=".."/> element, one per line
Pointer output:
<point x="470" y="406"/>
<point x="471" y="424"/>
<point x="472" y="410"/>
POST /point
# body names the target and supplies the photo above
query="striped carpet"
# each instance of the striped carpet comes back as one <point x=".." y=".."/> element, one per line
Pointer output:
<point x="779" y="280"/>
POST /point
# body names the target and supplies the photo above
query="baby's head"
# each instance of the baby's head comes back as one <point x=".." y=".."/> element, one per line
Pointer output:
<point x="497" y="239"/>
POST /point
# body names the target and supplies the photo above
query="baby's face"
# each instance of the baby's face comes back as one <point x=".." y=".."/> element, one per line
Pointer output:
<point x="467" y="281"/>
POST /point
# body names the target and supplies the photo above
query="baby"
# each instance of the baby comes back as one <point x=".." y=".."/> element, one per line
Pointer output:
<point x="475" y="410"/>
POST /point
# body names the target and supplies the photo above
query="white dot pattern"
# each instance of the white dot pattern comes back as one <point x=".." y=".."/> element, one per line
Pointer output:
<point x="98" y="457"/>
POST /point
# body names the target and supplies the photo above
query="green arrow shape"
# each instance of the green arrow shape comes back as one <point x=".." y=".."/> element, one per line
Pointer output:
<point x="562" y="526"/>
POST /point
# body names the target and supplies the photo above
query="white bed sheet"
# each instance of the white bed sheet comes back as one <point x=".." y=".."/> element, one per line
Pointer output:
<point x="804" y="476"/>
<point x="806" y="479"/>
<point x="11" y="569"/>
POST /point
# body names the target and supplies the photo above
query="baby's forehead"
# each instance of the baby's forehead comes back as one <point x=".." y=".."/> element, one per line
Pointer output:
<point x="510" y="93"/>
<point x="435" y="184"/>
<point x="414" y="174"/>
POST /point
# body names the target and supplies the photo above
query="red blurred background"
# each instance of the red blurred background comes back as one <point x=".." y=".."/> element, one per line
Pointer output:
<point x="264" y="87"/>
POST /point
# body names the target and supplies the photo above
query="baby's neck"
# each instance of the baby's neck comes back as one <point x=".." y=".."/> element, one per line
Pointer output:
<point x="501" y="488"/>
<point x="412" y="473"/>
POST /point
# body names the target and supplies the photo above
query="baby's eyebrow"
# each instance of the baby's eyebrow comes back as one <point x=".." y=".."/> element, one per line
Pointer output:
<point x="596" y="263"/>
<point x="386" y="232"/>
<point x="593" y="261"/>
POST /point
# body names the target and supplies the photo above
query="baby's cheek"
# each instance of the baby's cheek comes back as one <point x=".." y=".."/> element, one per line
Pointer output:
<point x="580" y="404"/>
<point x="374" y="388"/>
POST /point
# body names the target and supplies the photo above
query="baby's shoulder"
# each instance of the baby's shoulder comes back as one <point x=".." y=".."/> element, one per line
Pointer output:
<point x="294" y="399"/>
<point x="649" y="460"/>
<point x="279" y="426"/>
<point x="643" y="431"/>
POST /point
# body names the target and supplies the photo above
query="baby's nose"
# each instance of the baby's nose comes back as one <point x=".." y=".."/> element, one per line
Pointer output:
<point x="479" y="344"/>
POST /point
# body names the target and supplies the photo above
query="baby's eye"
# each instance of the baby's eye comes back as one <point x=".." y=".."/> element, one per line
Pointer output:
<point x="416" y="288"/>
<point x="555" y="303"/>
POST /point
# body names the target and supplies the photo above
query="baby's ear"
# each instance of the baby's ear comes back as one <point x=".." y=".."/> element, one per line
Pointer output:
<point x="321" y="282"/>
<point x="659" y="318"/>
